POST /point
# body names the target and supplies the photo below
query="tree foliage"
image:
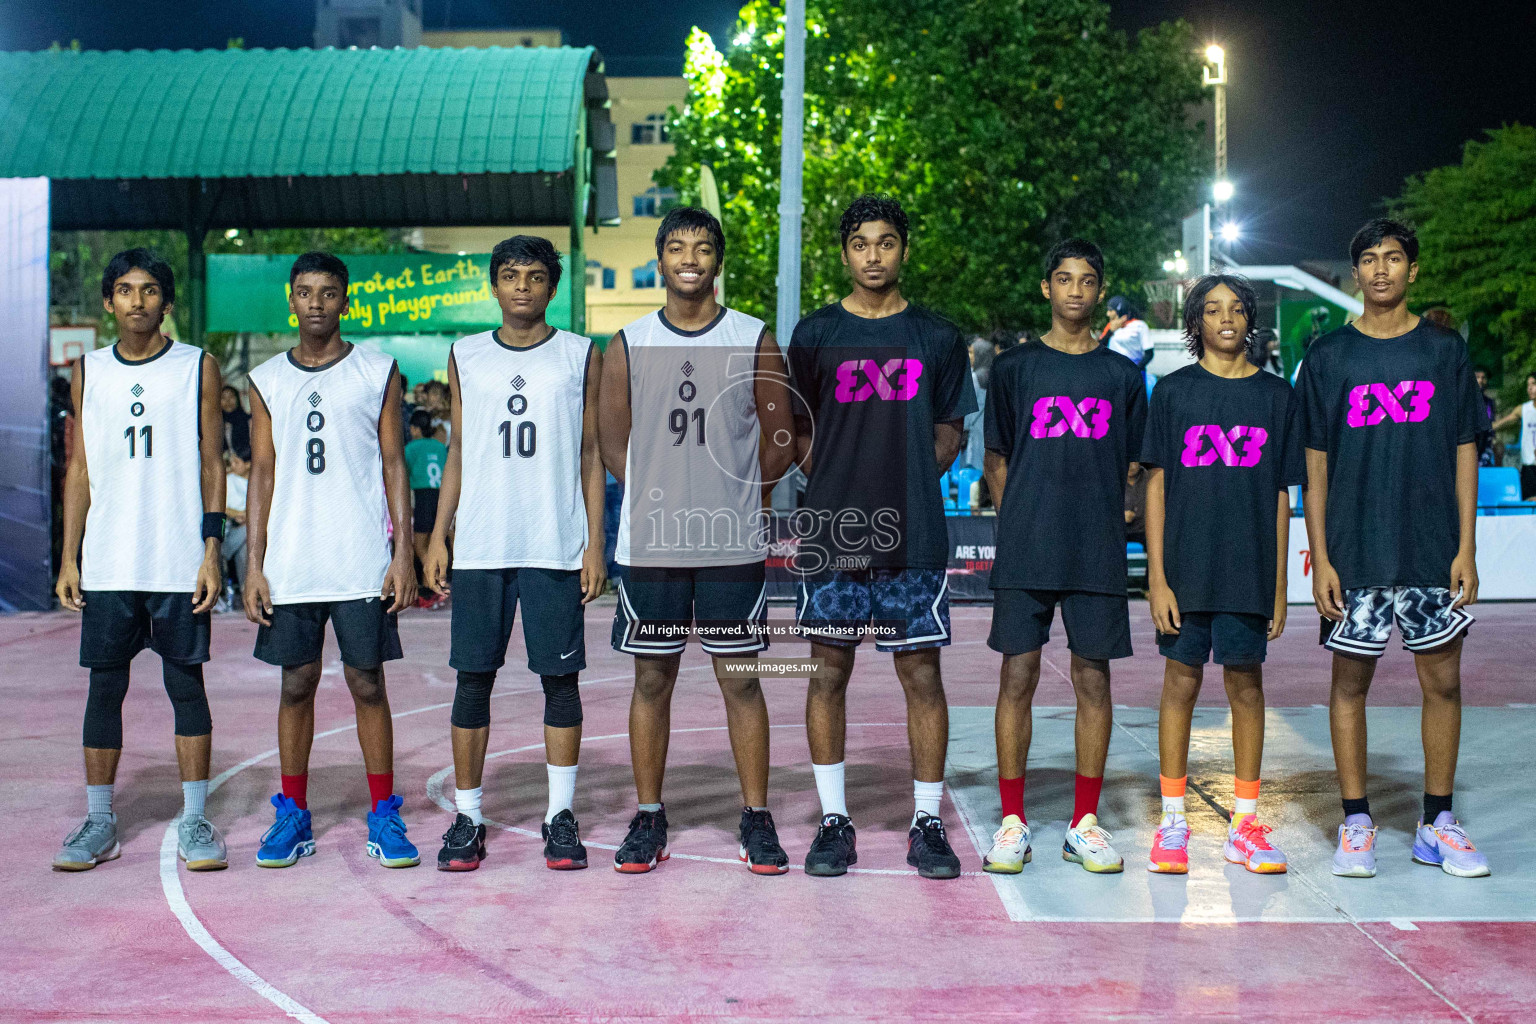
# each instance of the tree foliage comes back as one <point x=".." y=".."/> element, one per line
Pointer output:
<point x="1001" y="125"/>
<point x="1476" y="222"/>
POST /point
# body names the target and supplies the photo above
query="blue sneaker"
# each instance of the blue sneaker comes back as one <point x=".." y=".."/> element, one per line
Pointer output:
<point x="289" y="838"/>
<point x="1444" y="844"/>
<point x="386" y="836"/>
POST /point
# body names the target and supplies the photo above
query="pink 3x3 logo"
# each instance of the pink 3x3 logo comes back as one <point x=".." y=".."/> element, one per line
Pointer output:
<point x="1239" y="447"/>
<point x="861" y="379"/>
<point x="1088" y="418"/>
<point x="1370" y="404"/>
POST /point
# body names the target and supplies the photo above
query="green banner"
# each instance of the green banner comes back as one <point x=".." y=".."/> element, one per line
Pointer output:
<point x="390" y="293"/>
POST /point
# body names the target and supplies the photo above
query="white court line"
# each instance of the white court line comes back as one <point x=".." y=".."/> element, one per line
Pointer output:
<point x="176" y="897"/>
<point x="436" y="793"/>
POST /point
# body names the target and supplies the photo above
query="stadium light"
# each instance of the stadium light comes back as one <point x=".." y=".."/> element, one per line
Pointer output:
<point x="1167" y="266"/>
<point x="1222" y="191"/>
<point x="1231" y="232"/>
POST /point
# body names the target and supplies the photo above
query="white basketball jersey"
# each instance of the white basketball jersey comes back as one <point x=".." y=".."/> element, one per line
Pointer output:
<point x="692" y="481"/>
<point x="520" y="500"/>
<point x="141" y="428"/>
<point x="326" y="531"/>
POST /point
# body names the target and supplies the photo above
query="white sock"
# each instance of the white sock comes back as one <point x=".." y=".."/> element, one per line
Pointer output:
<point x="562" y="789"/>
<point x="98" y="799"/>
<point x="1241" y="806"/>
<point x="468" y="803"/>
<point x="194" y="795"/>
<point x="926" y="795"/>
<point x="1173" y="804"/>
<point x="829" y="786"/>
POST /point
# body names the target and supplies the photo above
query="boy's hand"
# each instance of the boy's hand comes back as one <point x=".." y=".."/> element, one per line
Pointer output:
<point x="435" y="569"/>
<point x="594" y="573"/>
<point x="1165" y="609"/>
<point x="1327" y="591"/>
<point x="1277" y="621"/>
<point x="1464" y="580"/>
<point x="258" y="597"/>
<point x="68" y="587"/>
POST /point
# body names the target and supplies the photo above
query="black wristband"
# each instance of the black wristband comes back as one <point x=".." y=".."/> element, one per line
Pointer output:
<point x="213" y="526"/>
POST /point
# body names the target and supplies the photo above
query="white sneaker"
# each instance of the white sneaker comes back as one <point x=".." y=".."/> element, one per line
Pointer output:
<point x="1088" y="844"/>
<point x="1010" y="848"/>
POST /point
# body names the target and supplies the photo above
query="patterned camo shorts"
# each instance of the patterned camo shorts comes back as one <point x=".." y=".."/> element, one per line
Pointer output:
<point x="1423" y="615"/>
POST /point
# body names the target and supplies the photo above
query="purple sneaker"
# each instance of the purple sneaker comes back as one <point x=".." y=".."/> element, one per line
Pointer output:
<point x="1355" y="856"/>
<point x="1444" y="844"/>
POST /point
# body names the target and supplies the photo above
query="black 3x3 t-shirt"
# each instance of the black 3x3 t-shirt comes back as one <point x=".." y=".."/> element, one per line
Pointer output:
<point x="1390" y="413"/>
<point x="1069" y="427"/>
<point x="1226" y="453"/>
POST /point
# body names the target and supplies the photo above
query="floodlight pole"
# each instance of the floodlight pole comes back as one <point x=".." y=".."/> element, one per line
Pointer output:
<point x="791" y="158"/>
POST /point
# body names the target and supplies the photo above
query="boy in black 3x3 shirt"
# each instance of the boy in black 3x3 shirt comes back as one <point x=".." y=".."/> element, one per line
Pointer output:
<point x="1388" y="411"/>
<point x="1218" y="528"/>
<point x="1064" y="420"/>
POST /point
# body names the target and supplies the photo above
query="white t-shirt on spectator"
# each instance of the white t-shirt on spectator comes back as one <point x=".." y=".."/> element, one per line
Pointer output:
<point x="1131" y="340"/>
<point x="1528" y="434"/>
<point x="235" y="488"/>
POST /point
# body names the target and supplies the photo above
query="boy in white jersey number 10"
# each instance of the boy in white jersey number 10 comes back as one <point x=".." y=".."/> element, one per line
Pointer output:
<point x="523" y="493"/>
<point x="326" y="449"/>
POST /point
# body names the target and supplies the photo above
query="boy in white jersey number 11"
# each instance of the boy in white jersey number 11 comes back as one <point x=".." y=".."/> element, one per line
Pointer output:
<point x="326" y="449"/>
<point x="523" y="493"/>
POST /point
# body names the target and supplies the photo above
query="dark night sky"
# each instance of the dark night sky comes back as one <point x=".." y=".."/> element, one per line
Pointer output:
<point x="1332" y="102"/>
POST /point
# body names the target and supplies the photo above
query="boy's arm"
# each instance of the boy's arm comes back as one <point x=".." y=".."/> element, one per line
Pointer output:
<point x="994" y="469"/>
<point x="210" y="575"/>
<point x="1164" y="605"/>
<point x="258" y="503"/>
<point x="1464" y="568"/>
<point x="77" y="501"/>
<point x="435" y="569"/>
<point x="613" y="411"/>
<point x="400" y="578"/>
<point x="771" y="392"/>
<point x="946" y="442"/>
<point x="1509" y="419"/>
<point x="1282" y="557"/>
<point x="1327" y="592"/>
<point x="594" y="484"/>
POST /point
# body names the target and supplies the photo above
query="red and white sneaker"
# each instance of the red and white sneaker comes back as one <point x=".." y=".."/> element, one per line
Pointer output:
<point x="1247" y="845"/>
<point x="1170" y="850"/>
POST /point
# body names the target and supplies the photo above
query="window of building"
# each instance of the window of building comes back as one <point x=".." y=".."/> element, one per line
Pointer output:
<point x="652" y="130"/>
<point x="599" y="276"/>
<point x="359" y="32"/>
<point x="655" y="202"/>
<point x="646" y="276"/>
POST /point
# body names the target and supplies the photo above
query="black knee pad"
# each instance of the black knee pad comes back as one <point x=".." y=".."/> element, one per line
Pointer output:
<point x="104" y="708"/>
<point x="562" y="701"/>
<point x="472" y="700"/>
<point x="184" y="685"/>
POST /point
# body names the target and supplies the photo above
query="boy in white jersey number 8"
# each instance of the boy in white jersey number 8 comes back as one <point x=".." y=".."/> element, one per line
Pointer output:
<point x="326" y="449"/>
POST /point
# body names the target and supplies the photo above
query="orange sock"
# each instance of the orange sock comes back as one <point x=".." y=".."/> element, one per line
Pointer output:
<point x="1247" y="802"/>
<point x="1173" y="793"/>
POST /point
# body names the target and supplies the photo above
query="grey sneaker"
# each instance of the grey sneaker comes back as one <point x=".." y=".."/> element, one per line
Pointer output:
<point x="90" y="844"/>
<point x="200" y="844"/>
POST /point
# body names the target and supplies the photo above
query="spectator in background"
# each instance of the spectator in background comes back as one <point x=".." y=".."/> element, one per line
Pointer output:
<point x="407" y="408"/>
<point x="972" y="446"/>
<point x="1267" y="346"/>
<point x="439" y="402"/>
<point x="1526" y="415"/>
<point x="237" y="423"/>
<point x="61" y="440"/>
<point x="237" y="480"/>
<point x="1136" y="505"/>
<point x="1487" y="451"/>
<point x="982" y="354"/>
<point x="425" y="457"/>
<point x="1127" y="333"/>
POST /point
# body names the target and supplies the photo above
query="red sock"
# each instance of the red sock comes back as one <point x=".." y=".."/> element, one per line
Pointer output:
<point x="1085" y="797"/>
<point x="1012" y="792"/>
<point x="380" y="787"/>
<point x="296" y="788"/>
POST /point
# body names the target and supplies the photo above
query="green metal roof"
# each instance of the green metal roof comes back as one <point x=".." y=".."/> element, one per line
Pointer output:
<point x="210" y="139"/>
<point x="275" y="113"/>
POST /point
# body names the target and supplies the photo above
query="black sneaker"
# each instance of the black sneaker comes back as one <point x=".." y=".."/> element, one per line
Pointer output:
<point x="562" y="843"/>
<point x="928" y="848"/>
<point x="646" y="844"/>
<point x="760" y="849"/>
<point x="832" y="850"/>
<point x="463" y="846"/>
